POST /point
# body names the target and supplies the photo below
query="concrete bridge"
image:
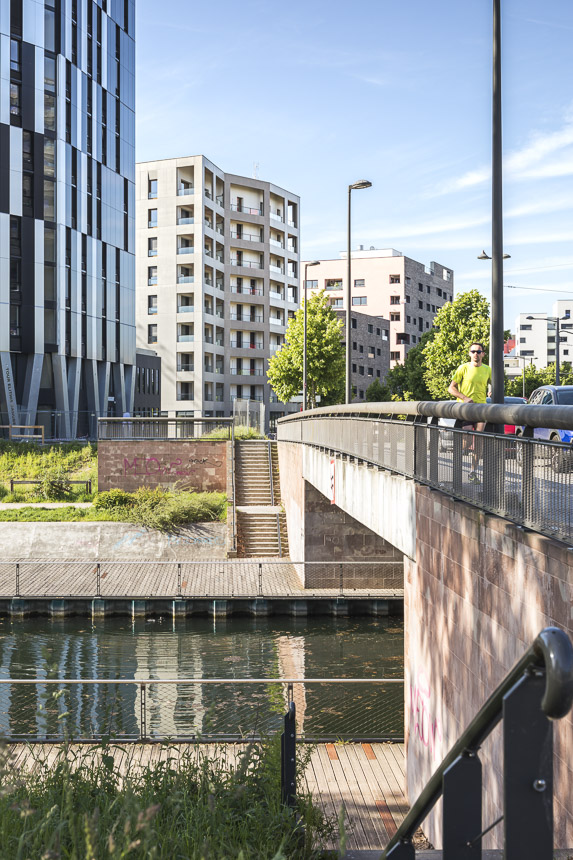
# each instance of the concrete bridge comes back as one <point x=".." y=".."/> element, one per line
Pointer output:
<point x="487" y="565"/>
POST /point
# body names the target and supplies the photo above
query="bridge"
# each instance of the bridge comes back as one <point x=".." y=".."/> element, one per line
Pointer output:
<point x="487" y="564"/>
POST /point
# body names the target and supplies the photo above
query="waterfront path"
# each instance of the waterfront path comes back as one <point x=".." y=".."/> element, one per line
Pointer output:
<point x="213" y="580"/>
<point x="367" y="779"/>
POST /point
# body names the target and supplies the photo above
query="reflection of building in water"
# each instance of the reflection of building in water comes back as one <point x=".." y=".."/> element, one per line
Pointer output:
<point x="291" y="652"/>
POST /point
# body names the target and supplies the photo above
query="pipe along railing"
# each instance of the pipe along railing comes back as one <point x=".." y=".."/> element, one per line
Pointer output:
<point x="538" y="689"/>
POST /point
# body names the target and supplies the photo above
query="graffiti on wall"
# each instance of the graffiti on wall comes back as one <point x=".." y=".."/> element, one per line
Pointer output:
<point x="424" y="724"/>
<point x="168" y="470"/>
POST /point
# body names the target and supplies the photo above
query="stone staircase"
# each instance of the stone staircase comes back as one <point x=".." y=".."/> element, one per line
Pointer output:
<point x="261" y="523"/>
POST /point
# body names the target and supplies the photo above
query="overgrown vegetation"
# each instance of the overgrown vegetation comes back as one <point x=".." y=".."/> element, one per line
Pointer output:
<point x="240" y="433"/>
<point x="151" y="508"/>
<point x="53" y="465"/>
<point x="194" y="807"/>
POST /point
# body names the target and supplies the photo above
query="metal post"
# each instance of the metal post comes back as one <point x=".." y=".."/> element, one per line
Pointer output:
<point x="462" y="785"/>
<point x="341" y="577"/>
<point x="17" y="579"/>
<point x="179" y="594"/>
<point x="260" y="579"/>
<point x="143" y="712"/>
<point x="348" y="395"/>
<point x="557" y="356"/>
<point x="496" y="336"/>
<point x="304" y="383"/>
<point x="288" y="754"/>
<point x="98" y="580"/>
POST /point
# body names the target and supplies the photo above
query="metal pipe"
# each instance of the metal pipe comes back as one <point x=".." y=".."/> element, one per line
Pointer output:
<point x="348" y="389"/>
<point x="496" y="335"/>
<point x="557" y="355"/>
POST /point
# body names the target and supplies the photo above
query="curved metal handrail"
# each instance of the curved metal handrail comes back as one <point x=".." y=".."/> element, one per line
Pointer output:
<point x="552" y="651"/>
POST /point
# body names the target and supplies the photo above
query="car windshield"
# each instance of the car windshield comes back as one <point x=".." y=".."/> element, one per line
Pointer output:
<point x="565" y="398"/>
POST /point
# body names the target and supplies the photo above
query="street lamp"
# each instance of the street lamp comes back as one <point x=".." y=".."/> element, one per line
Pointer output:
<point x="356" y="186"/>
<point x="304" y="397"/>
<point x="524" y="359"/>
<point x="557" y="340"/>
<point x="484" y="256"/>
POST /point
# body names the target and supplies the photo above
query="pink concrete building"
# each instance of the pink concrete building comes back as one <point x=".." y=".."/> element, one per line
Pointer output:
<point x="386" y="283"/>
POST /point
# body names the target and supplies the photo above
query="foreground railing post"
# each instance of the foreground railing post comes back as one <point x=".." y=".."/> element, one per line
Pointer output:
<point x="528" y="771"/>
<point x="143" y="712"/>
<point x="260" y="579"/>
<point x="457" y="461"/>
<point x="462" y="808"/>
<point x="17" y="579"/>
<point x="288" y="754"/>
<point x="527" y="480"/>
<point x="98" y="580"/>
<point x="179" y="594"/>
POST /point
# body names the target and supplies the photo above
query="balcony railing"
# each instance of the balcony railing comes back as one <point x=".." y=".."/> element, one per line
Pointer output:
<point x="246" y="210"/>
<point x="185" y="396"/>
<point x="220" y="284"/>
<point x="278" y="269"/>
<point x="186" y="249"/>
<point x="276" y="217"/>
<point x="219" y="341"/>
<point x="152" y="252"/>
<point x="247" y="317"/>
<point x="246" y="372"/>
<point x="276" y="321"/>
<point x="208" y="194"/>
<point x="247" y="237"/>
<point x="239" y="345"/>
<point x="291" y="249"/>
<point x="208" y="252"/>
<point x="208" y="224"/>
<point x="220" y="199"/>
<point x="219" y="258"/>
<point x="185" y="338"/>
<point x="208" y="310"/>
<point x="208" y="281"/>
<point x="183" y="191"/>
<point x="276" y="243"/>
<point x="246" y="291"/>
<point x="208" y="338"/>
<point x="185" y="220"/>
<point x="246" y="264"/>
<point x="185" y="368"/>
<point x="185" y="279"/>
<point x="275" y="294"/>
<point x="185" y="309"/>
<point x="292" y="223"/>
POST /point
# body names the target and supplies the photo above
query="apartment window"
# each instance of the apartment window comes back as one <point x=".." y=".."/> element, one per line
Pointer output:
<point x="433" y="309"/>
<point x="439" y="292"/>
<point x="361" y="394"/>
<point x="151" y="304"/>
<point x="378" y="351"/>
<point x="152" y="247"/>
<point x="333" y="284"/>
<point x="353" y="368"/>
<point x="354" y="324"/>
<point x="378" y="332"/>
<point x="15" y="320"/>
<point x="359" y="282"/>
<point x="15" y="100"/>
<point x="394" y="317"/>
<point x="414" y="339"/>
<point x="361" y="348"/>
<point x="151" y="275"/>
<point x="421" y="287"/>
<point x="354" y="344"/>
<point x="15" y="57"/>
<point x="378" y="374"/>
<point x="361" y="369"/>
<point x="152" y="333"/>
<point x="420" y="306"/>
<point x="428" y="306"/>
<point x="152" y="188"/>
<point x="394" y="356"/>
<point x="526" y="352"/>
<point x="384" y="335"/>
<point x="394" y="300"/>
<point x="370" y="329"/>
<point x="359" y="300"/>
<point x="152" y="217"/>
<point x="407" y="300"/>
<point x="370" y="371"/>
<point x="427" y="325"/>
<point x="408" y="319"/>
<point x="49" y="200"/>
<point x="428" y="289"/>
<point x="338" y="303"/>
<point x="394" y="279"/>
<point x="525" y="328"/>
<point x="312" y="285"/>
<point x="27" y="194"/>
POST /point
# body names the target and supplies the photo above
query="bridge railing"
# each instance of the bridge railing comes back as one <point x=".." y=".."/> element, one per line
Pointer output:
<point x="164" y="428"/>
<point x="526" y="480"/>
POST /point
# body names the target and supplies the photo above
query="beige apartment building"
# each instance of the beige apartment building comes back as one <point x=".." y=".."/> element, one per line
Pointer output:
<point x="217" y="278"/>
<point x="387" y="284"/>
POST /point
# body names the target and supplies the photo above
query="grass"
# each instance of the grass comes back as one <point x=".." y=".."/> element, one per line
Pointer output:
<point x="194" y="808"/>
<point x="153" y="509"/>
<point x="52" y="464"/>
<point x="240" y="433"/>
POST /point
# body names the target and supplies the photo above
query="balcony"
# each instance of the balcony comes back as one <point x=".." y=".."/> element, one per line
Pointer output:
<point x="219" y="369"/>
<point x="219" y="341"/>
<point x="239" y="345"/>
<point x="247" y="372"/>
<point x="291" y="249"/>
<point x="186" y="397"/>
<point x="185" y="279"/>
<point x="219" y="258"/>
<point x="219" y="229"/>
<point x="247" y="318"/>
<point x="207" y="280"/>
<point x="246" y="291"/>
<point x="208" y="368"/>
<point x="208" y="194"/>
<point x="208" y="224"/>
<point x="246" y="264"/>
<point x="185" y="338"/>
<point x="246" y="237"/>
<point x="185" y="368"/>
<point x="275" y="294"/>
<point x="278" y="269"/>
<point x="208" y="338"/>
<point x="186" y="220"/>
<point x="208" y="252"/>
<point x="276" y="243"/>
<point x="220" y="284"/>
<point x="208" y="310"/>
<point x="274" y="347"/>
<point x="152" y="252"/>
<point x="185" y="309"/>
<point x="220" y="199"/>
<point x="246" y="210"/>
<point x="276" y="321"/>
<point x="184" y="190"/>
<point x="276" y="217"/>
<point x="186" y="249"/>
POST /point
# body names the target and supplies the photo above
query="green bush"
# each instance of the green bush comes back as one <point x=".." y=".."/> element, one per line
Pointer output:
<point x="110" y="500"/>
<point x="55" y="486"/>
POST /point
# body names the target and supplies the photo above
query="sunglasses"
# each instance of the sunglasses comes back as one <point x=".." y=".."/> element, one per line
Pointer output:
<point x="476" y="351"/>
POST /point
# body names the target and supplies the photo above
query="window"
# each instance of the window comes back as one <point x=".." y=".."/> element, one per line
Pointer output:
<point x="394" y="317"/>
<point x="421" y="288"/>
<point x="49" y="112"/>
<point x="28" y="194"/>
<point x="439" y="292"/>
<point x="151" y="304"/>
<point x="428" y="289"/>
<point x="353" y="368"/>
<point x="427" y="325"/>
<point x="15" y="320"/>
<point x="394" y="300"/>
<point x="353" y="323"/>
<point x="151" y="275"/>
<point x="414" y="339"/>
<point x="333" y="284"/>
<point x="370" y="371"/>
<point x="394" y="356"/>
<point x="370" y="329"/>
<point x="359" y="300"/>
<point x="525" y="328"/>
<point x="526" y="352"/>
<point x="312" y="285"/>
<point x="361" y="394"/>
<point x="49" y="200"/>
<point x="152" y="218"/>
<point x="354" y="344"/>
<point x="361" y="348"/>
<point x="361" y="369"/>
<point x="152" y="247"/>
<point x="152" y="188"/>
<point x="394" y="279"/>
<point x="15" y="99"/>
<point x="523" y="340"/>
<point x="420" y="306"/>
<point x="338" y="303"/>
<point x="378" y="374"/>
<point x="378" y="351"/>
<point x="428" y="306"/>
<point x="359" y="282"/>
<point x="152" y="333"/>
<point x="407" y="300"/>
<point x="433" y="308"/>
<point x="408" y="319"/>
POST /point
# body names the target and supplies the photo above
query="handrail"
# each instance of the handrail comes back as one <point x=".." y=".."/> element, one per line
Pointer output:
<point x="552" y="651"/>
<point x="233" y="488"/>
<point x="271" y="472"/>
<point x="558" y="417"/>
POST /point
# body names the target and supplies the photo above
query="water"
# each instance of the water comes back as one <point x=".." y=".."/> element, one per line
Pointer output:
<point x="230" y="649"/>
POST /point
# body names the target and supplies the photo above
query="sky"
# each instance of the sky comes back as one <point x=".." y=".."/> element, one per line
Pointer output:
<point x="316" y="94"/>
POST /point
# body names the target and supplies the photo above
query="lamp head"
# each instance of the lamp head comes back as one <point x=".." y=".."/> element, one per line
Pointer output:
<point x="314" y="263"/>
<point x="483" y="256"/>
<point x="362" y="183"/>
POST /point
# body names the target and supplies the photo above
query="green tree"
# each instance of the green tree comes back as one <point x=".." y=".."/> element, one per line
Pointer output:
<point x="534" y="377"/>
<point x="324" y="355"/>
<point x="377" y="393"/>
<point x="456" y="325"/>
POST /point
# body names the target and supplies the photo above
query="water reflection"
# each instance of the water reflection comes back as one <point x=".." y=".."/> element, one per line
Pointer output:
<point x="229" y="649"/>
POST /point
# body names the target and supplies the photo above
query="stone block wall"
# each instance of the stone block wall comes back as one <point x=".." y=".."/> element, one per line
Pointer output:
<point x="476" y="596"/>
<point x="196" y="464"/>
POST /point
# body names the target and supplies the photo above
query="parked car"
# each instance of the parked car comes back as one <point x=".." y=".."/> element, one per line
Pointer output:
<point x="554" y="395"/>
<point x="447" y="439"/>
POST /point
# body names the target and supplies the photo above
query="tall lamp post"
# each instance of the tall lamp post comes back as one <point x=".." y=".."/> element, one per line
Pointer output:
<point x="556" y="320"/>
<point x="304" y="397"/>
<point x="356" y="186"/>
<point x="496" y="336"/>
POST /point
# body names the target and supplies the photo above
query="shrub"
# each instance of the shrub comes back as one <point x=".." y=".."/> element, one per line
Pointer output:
<point x="55" y="485"/>
<point x="110" y="500"/>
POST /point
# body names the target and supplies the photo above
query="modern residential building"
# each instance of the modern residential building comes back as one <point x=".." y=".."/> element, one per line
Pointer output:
<point x="370" y="350"/>
<point x="536" y="335"/>
<point x="67" y="164"/>
<point x="147" y="393"/>
<point x="217" y="280"/>
<point x="386" y="283"/>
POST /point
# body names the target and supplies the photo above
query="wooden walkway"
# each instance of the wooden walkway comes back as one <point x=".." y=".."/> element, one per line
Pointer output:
<point x="366" y="779"/>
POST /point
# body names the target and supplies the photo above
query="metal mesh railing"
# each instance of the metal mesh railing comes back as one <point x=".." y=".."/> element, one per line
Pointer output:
<point x="164" y="428"/>
<point x="206" y="710"/>
<point x="212" y="580"/>
<point x="526" y="480"/>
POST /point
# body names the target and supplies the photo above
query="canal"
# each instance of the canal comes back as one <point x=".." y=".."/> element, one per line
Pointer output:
<point x="232" y="650"/>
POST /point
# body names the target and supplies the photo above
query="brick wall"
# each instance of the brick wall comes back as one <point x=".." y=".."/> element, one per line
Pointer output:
<point x="191" y="464"/>
<point x="479" y="592"/>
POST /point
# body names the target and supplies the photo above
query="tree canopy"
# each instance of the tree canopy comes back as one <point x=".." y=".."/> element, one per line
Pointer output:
<point x="324" y="355"/>
<point x="535" y="377"/>
<point x="456" y="325"/>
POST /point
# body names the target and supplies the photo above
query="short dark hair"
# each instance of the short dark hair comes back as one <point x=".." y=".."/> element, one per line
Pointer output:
<point x="477" y="343"/>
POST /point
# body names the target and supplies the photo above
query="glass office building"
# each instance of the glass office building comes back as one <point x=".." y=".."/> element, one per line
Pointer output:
<point x="67" y="170"/>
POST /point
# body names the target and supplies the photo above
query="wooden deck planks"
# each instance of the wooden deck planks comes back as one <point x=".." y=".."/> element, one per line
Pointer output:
<point x="367" y="779"/>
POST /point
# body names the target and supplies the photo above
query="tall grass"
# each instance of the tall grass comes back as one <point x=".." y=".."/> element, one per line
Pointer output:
<point x="193" y="807"/>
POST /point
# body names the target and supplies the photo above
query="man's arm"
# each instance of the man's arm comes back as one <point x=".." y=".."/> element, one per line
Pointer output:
<point x="455" y="392"/>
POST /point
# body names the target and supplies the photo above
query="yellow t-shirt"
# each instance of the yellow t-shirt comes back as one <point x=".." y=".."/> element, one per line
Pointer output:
<point x="473" y="381"/>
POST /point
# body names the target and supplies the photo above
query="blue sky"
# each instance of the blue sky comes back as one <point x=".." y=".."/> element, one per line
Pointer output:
<point x="322" y="93"/>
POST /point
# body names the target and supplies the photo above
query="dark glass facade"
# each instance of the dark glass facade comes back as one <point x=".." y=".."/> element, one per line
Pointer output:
<point x="67" y="170"/>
